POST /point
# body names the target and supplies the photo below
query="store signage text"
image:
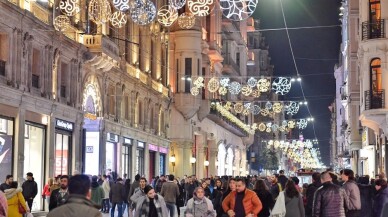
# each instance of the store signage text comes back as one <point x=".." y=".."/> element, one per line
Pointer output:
<point x="152" y="147"/>
<point x="64" y="125"/>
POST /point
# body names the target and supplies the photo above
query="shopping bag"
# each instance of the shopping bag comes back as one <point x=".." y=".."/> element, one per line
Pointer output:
<point x="279" y="210"/>
<point x="28" y="214"/>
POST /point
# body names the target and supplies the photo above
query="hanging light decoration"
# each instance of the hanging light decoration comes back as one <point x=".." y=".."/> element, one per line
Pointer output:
<point x="200" y="8"/>
<point x="256" y="93"/>
<point x="238" y="9"/>
<point x="61" y="23"/>
<point x="281" y="85"/>
<point x="262" y="127"/>
<point x="118" y="19"/>
<point x="213" y="85"/>
<point x="246" y="90"/>
<point x="256" y="110"/>
<point x="224" y="82"/>
<point x="222" y="91"/>
<point x="238" y="107"/>
<point x="167" y="15"/>
<point x="277" y="107"/>
<point x="263" y="85"/>
<point x="99" y="11"/>
<point x="69" y="7"/>
<point x="268" y="105"/>
<point x="234" y="88"/>
<point x="228" y="106"/>
<point x="252" y="82"/>
<point x="292" y="108"/>
<point x="186" y="20"/>
<point x="264" y="112"/>
<point x="291" y="124"/>
<point x="121" y="5"/>
<point x="302" y="124"/>
<point x="177" y="4"/>
<point x="199" y="82"/>
<point x="194" y="91"/>
<point x="142" y="12"/>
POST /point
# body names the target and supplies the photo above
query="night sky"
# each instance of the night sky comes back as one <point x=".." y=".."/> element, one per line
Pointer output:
<point x="316" y="52"/>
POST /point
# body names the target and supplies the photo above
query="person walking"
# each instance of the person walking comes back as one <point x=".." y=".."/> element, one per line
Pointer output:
<point x="106" y="187"/>
<point x="7" y="183"/>
<point x="218" y="191"/>
<point x="139" y="192"/>
<point x="15" y="200"/>
<point x="231" y="187"/>
<point x="293" y="200"/>
<point x="151" y="204"/>
<point x="311" y="189"/>
<point x="46" y="190"/>
<point x="381" y="197"/>
<point x="282" y="179"/>
<point x="3" y="205"/>
<point x="330" y="199"/>
<point x="97" y="194"/>
<point x="262" y="191"/>
<point x="242" y="202"/>
<point x="190" y="185"/>
<point x="276" y="187"/>
<point x="30" y="189"/>
<point x="77" y="203"/>
<point x="170" y="192"/>
<point x="353" y="193"/>
<point x="367" y="194"/>
<point x="117" y="197"/>
<point x="199" y="205"/>
<point x="127" y="186"/>
<point x="207" y="190"/>
<point x="59" y="196"/>
<point x="159" y="183"/>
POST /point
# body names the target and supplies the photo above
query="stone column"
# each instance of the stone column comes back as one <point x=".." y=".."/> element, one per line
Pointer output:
<point x="146" y="161"/>
<point x="50" y="147"/>
<point x="212" y="161"/>
<point x="157" y="164"/>
<point x="18" y="154"/>
<point x="133" y="160"/>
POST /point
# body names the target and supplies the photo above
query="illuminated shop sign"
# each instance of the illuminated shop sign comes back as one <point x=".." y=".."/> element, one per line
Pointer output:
<point x="64" y="125"/>
<point x="152" y="147"/>
<point x="140" y="144"/>
<point x="163" y="150"/>
<point x="127" y="141"/>
<point x="112" y="137"/>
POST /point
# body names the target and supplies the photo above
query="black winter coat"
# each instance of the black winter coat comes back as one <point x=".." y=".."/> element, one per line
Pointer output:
<point x="381" y="198"/>
<point x="267" y="201"/>
<point x="117" y="193"/>
<point x="311" y="189"/>
<point x="367" y="195"/>
<point x="30" y="189"/>
<point x="330" y="201"/>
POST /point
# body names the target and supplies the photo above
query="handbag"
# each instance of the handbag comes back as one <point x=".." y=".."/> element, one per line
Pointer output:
<point x="279" y="210"/>
<point x="21" y="209"/>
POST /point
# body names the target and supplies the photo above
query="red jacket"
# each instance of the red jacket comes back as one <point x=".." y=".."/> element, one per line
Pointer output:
<point x="251" y="202"/>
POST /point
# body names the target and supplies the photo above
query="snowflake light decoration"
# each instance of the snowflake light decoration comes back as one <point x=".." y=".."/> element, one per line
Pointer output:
<point x="222" y="91"/>
<point x="200" y="8"/>
<point x="167" y="15"/>
<point x="238" y="9"/>
<point x="268" y="105"/>
<point x="252" y="82"/>
<point x="238" y="107"/>
<point x="246" y="90"/>
<point x="256" y="93"/>
<point x="263" y="85"/>
<point x="61" y="23"/>
<point x="302" y="124"/>
<point x="284" y="123"/>
<point x="268" y="130"/>
<point x="142" y="12"/>
<point x="199" y="82"/>
<point x="99" y="11"/>
<point x="264" y="112"/>
<point x="213" y="85"/>
<point x="228" y="106"/>
<point x="118" y="19"/>
<point x="292" y="108"/>
<point x="247" y="105"/>
<point x="277" y="107"/>
<point x="186" y="20"/>
<point x="121" y="5"/>
<point x="291" y="124"/>
<point x="224" y="82"/>
<point x="245" y="112"/>
<point x="177" y="4"/>
<point x="281" y="128"/>
<point x="194" y="91"/>
<point x="256" y="110"/>
<point x="234" y="88"/>
<point x="262" y="127"/>
<point x="275" y="127"/>
<point x="281" y="85"/>
<point x="69" y="7"/>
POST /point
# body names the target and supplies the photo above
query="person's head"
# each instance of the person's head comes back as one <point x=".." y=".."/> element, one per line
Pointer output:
<point x="13" y="184"/>
<point x="64" y="181"/>
<point x="240" y="185"/>
<point x="316" y="177"/>
<point x="104" y="177"/>
<point x="260" y="185"/>
<point x="9" y="179"/>
<point x="295" y="180"/>
<point x="219" y="183"/>
<point x="137" y="177"/>
<point x="162" y="177"/>
<point x="347" y="174"/>
<point x="204" y="185"/>
<point x="199" y="193"/>
<point x="208" y="181"/>
<point x="79" y="184"/>
<point x="290" y="189"/>
<point x="281" y="172"/>
<point x="143" y="182"/>
<point x="171" y="177"/>
<point x="50" y="181"/>
<point x="232" y="184"/>
<point x="119" y="180"/>
<point x="125" y="176"/>
<point x="377" y="177"/>
<point x="325" y="177"/>
<point x="274" y="179"/>
<point x="380" y="184"/>
<point x="30" y="176"/>
<point x="149" y="191"/>
<point x="94" y="178"/>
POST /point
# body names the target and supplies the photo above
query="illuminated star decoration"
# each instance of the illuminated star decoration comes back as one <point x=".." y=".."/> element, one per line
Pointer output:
<point x="238" y="10"/>
<point x="292" y="108"/>
<point x="302" y="124"/>
<point x="281" y="85"/>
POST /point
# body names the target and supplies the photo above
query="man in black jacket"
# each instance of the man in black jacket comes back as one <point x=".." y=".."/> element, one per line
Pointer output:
<point x="30" y="189"/>
<point x="117" y="196"/>
<point x="329" y="200"/>
<point x="282" y="179"/>
<point x="59" y="196"/>
<point x="311" y="191"/>
<point x="7" y="184"/>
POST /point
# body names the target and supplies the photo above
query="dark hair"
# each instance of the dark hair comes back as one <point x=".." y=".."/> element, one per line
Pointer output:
<point x="381" y="182"/>
<point x="142" y="178"/>
<point x="281" y="171"/>
<point x="290" y="189"/>
<point x="8" y="177"/>
<point x="94" y="178"/>
<point x="349" y="173"/>
<point x="79" y="184"/>
<point x="104" y="176"/>
<point x="65" y="177"/>
<point x="119" y="180"/>
<point x="14" y="184"/>
<point x="241" y="180"/>
<point x="260" y="185"/>
<point x="30" y="174"/>
<point x="222" y="183"/>
<point x="296" y="180"/>
<point x="171" y="177"/>
<point x="147" y="189"/>
<point x="137" y="177"/>
<point x="316" y="177"/>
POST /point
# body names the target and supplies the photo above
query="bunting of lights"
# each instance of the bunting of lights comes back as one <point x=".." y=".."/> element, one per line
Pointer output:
<point x="263" y="108"/>
<point x="238" y="10"/>
<point x="251" y="87"/>
<point x="231" y="117"/>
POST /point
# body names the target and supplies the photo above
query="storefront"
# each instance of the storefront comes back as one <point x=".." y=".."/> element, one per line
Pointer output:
<point x="6" y="145"/>
<point x="63" y="147"/>
<point x="111" y="152"/>
<point x="153" y="150"/>
<point x="126" y="159"/>
<point x="139" y="169"/>
<point x="162" y="160"/>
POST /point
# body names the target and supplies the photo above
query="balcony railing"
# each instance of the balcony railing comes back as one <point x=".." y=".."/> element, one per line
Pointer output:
<point x="374" y="99"/>
<point x="373" y="30"/>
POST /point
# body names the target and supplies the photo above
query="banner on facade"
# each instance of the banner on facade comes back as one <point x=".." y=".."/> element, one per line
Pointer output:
<point x="6" y="155"/>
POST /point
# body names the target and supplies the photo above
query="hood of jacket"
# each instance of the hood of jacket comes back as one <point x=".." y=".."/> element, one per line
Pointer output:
<point x="9" y="193"/>
<point x="95" y="184"/>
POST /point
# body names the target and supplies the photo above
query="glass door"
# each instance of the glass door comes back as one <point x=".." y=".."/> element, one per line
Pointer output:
<point x="62" y="153"/>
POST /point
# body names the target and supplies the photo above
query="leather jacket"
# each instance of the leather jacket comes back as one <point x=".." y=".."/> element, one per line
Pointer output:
<point x="330" y="201"/>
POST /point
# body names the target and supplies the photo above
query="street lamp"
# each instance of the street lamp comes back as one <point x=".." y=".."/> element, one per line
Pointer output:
<point x="193" y="160"/>
<point x="206" y="163"/>
<point x="173" y="160"/>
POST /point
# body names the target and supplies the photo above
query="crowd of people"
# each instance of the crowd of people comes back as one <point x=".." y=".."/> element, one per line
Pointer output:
<point x="328" y="195"/>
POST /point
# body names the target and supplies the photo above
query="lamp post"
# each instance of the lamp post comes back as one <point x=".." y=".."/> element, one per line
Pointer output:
<point x="172" y="160"/>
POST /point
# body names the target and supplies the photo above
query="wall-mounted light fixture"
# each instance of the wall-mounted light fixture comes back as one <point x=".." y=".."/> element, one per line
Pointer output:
<point x="206" y="163"/>
<point x="193" y="160"/>
<point x="173" y="160"/>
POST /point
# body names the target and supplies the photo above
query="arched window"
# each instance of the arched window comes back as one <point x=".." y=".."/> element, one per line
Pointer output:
<point x="229" y="160"/>
<point x="375" y="75"/>
<point x="374" y="10"/>
<point x="221" y="159"/>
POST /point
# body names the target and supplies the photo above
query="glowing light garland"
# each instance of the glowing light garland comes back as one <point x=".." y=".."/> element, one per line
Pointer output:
<point x="200" y="7"/>
<point x="234" y="119"/>
<point x="142" y="12"/>
<point x="238" y="9"/>
<point x="69" y="7"/>
<point x="118" y="19"/>
<point x="99" y="11"/>
<point x="167" y="15"/>
<point x="186" y="20"/>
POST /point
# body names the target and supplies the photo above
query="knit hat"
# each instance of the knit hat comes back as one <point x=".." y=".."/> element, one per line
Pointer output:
<point x="147" y="189"/>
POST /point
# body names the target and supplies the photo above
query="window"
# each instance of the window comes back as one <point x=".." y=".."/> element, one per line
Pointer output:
<point x="238" y="58"/>
<point x="178" y="79"/>
<point x="127" y="108"/>
<point x="140" y="112"/>
<point x="140" y="160"/>
<point x="3" y="53"/>
<point x="126" y="158"/>
<point x="188" y="73"/>
<point x="375" y="75"/>
<point x="35" y="77"/>
<point x="374" y="10"/>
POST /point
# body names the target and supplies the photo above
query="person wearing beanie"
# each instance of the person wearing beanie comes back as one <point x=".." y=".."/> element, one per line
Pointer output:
<point x="151" y="204"/>
<point x="97" y="193"/>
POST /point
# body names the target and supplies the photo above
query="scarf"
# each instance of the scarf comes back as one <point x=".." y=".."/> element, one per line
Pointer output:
<point x="145" y="208"/>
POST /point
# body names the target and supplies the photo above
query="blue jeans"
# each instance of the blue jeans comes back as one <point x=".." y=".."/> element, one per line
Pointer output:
<point x="171" y="208"/>
<point x="119" y="209"/>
